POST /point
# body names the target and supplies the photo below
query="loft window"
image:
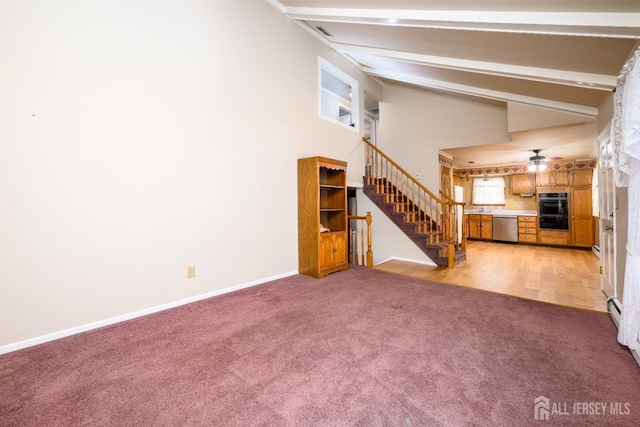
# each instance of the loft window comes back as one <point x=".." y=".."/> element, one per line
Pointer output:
<point x="338" y="96"/>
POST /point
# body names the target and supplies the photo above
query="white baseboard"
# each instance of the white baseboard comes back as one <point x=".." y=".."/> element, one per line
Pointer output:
<point x="106" y="322"/>
<point x="416" y="261"/>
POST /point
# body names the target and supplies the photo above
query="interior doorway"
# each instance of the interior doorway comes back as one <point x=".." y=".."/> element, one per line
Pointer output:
<point x="371" y="117"/>
<point x="607" y="208"/>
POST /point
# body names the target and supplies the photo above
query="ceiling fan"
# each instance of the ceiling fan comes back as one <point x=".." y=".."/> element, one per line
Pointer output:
<point x="537" y="163"/>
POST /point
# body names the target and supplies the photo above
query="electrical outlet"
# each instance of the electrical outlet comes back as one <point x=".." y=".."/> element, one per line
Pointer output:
<point x="191" y="271"/>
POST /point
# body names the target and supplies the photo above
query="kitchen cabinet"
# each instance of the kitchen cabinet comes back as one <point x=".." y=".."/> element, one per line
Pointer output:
<point x="550" y="178"/>
<point x="322" y="202"/>
<point x="554" y="237"/>
<point x="580" y="177"/>
<point x="523" y="183"/>
<point x="474" y="226"/>
<point x="486" y="227"/>
<point x="480" y="226"/>
<point x="528" y="229"/>
<point x="581" y="216"/>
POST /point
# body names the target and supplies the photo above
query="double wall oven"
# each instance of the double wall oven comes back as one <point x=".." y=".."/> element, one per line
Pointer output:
<point x="553" y="211"/>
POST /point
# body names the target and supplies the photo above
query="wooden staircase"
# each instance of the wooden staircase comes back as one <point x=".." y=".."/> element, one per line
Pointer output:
<point x="431" y="222"/>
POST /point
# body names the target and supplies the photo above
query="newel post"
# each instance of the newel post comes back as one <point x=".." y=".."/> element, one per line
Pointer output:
<point x="369" y="251"/>
<point x="450" y="236"/>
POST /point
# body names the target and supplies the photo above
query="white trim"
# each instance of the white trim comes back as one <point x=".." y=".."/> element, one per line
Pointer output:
<point x="544" y="75"/>
<point x="339" y="123"/>
<point x="600" y="24"/>
<point x="603" y="138"/>
<point x="416" y="261"/>
<point x="117" y="319"/>
<point x="277" y="5"/>
<point x="591" y="24"/>
<point x="344" y="101"/>
<point x="566" y="107"/>
<point x="355" y="185"/>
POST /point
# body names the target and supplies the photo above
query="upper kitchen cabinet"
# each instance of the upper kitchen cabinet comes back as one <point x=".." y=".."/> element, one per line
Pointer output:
<point x="550" y="178"/>
<point x="580" y="177"/>
<point x="523" y="183"/>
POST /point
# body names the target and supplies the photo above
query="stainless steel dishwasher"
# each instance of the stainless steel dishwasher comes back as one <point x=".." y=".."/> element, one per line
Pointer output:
<point x="505" y="228"/>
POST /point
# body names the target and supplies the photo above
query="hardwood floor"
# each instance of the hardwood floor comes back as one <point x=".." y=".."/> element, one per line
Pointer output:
<point x="562" y="276"/>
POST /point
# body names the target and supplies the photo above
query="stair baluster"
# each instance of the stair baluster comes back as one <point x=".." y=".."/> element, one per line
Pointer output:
<point x="427" y="219"/>
<point x="357" y="254"/>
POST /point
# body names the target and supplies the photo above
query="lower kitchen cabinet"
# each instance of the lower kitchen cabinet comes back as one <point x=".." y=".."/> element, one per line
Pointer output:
<point x="554" y="237"/>
<point x="474" y="226"/>
<point x="486" y="227"/>
<point x="528" y="229"/>
<point x="480" y="226"/>
<point x="582" y="232"/>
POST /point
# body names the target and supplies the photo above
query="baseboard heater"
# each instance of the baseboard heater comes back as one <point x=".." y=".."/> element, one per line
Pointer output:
<point x="614" y="311"/>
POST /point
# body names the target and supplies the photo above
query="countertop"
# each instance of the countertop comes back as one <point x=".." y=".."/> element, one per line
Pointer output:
<point x="503" y="212"/>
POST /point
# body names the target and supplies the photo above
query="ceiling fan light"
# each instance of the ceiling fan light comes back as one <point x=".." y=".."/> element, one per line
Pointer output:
<point x="537" y="162"/>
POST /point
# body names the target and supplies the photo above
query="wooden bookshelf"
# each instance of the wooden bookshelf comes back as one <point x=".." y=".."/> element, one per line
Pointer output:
<point x="322" y="200"/>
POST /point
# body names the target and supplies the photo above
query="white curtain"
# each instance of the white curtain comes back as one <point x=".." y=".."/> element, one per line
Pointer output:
<point x="488" y="191"/>
<point x="626" y="140"/>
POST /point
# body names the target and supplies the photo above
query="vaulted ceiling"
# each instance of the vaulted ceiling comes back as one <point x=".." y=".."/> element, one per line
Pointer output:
<point x="563" y="55"/>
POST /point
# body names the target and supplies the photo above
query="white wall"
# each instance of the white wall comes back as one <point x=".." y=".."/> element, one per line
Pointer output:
<point x="388" y="241"/>
<point x="415" y="123"/>
<point x="142" y="137"/>
<point x="525" y="117"/>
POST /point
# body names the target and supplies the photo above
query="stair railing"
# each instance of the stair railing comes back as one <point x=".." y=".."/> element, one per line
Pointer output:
<point x="459" y="223"/>
<point x="436" y="217"/>
<point x="357" y="254"/>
